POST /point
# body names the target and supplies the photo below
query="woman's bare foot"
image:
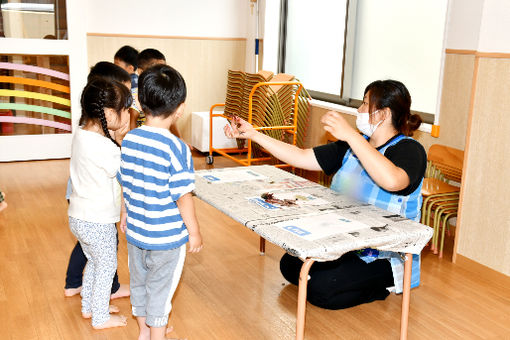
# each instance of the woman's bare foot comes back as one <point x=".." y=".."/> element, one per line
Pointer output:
<point x="68" y="292"/>
<point x="123" y="291"/>
<point x="114" y="321"/>
<point x="111" y="309"/>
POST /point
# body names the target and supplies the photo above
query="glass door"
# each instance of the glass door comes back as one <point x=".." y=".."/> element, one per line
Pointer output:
<point x="39" y="98"/>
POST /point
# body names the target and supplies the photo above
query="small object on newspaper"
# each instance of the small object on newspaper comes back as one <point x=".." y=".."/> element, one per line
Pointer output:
<point x="269" y="198"/>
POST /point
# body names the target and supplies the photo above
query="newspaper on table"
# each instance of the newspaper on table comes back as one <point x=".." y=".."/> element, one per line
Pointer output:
<point x="305" y="218"/>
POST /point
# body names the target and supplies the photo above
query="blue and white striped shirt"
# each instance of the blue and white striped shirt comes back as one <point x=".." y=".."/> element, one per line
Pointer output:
<point x="156" y="170"/>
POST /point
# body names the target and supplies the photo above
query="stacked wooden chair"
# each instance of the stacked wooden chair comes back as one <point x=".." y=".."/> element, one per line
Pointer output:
<point x="276" y="105"/>
<point x="440" y="197"/>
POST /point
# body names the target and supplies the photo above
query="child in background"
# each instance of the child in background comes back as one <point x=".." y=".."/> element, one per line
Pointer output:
<point x="95" y="201"/>
<point x="78" y="260"/>
<point x="3" y="203"/>
<point x="110" y="71"/>
<point x="147" y="58"/>
<point x="157" y="178"/>
<point x="127" y="58"/>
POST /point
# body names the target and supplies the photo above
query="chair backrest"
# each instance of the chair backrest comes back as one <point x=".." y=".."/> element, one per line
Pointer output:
<point x="447" y="160"/>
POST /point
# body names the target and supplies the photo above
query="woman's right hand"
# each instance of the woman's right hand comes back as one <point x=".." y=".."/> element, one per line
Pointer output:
<point x="239" y="128"/>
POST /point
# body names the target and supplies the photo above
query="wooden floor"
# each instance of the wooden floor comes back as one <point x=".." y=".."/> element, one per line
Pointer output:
<point x="227" y="291"/>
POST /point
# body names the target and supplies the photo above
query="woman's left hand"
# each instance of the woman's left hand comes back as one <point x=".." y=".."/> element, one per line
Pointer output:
<point x="337" y="126"/>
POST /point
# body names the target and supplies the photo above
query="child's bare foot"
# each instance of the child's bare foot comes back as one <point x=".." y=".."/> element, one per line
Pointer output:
<point x="123" y="291"/>
<point x="68" y="292"/>
<point x="114" y="321"/>
<point x="169" y="330"/>
<point x="111" y="309"/>
<point x="3" y="205"/>
<point x="145" y="334"/>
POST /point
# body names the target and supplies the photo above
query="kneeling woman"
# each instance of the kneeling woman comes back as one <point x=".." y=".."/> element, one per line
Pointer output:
<point x="382" y="166"/>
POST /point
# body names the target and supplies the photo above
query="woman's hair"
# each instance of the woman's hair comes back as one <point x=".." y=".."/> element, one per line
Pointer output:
<point x="109" y="71"/>
<point x="395" y="96"/>
<point x="99" y="94"/>
<point x="161" y="89"/>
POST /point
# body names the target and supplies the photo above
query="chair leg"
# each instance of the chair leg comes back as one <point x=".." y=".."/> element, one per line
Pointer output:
<point x="445" y="221"/>
<point x="428" y="213"/>
<point x="440" y="210"/>
<point x="437" y="214"/>
<point x="424" y="211"/>
<point x="436" y="226"/>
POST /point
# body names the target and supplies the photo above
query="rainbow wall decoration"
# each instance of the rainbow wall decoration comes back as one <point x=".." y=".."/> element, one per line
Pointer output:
<point x="15" y="100"/>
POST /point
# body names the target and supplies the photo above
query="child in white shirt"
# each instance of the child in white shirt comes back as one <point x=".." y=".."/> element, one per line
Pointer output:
<point x="95" y="202"/>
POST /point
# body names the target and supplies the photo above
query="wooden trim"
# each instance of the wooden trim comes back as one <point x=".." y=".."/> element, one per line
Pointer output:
<point x="481" y="270"/>
<point x="493" y="55"/>
<point x="118" y="35"/>
<point x="466" y="156"/>
<point x="478" y="54"/>
<point x="453" y="51"/>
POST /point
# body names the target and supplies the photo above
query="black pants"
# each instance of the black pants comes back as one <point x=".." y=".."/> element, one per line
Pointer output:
<point x="342" y="283"/>
<point x="75" y="268"/>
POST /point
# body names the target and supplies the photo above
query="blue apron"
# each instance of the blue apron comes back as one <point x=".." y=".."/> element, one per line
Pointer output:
<point x="353" y="180"/>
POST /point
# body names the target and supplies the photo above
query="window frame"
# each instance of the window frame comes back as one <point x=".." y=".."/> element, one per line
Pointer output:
<point x="348" y="59"/>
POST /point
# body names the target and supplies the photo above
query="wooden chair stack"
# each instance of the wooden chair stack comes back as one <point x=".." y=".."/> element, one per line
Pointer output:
<point x="275" y="105"/>
<point x="440" y="198"/>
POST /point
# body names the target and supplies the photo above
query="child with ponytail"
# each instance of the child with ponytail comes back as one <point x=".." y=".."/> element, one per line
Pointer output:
<point x="95" y="202"/>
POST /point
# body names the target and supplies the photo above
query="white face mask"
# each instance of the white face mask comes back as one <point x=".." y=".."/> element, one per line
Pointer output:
<point x="363" y="123"/>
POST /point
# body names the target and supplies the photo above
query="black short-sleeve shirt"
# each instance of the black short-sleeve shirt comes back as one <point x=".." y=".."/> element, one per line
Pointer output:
<point x="407" y="154"/>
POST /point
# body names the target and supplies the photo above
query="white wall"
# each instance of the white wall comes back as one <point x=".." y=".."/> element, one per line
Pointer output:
<point x="193" y="18"/>
<point x="495" y="26"/>
<point x="464" y="21"/>
<point x="480" y="25"/>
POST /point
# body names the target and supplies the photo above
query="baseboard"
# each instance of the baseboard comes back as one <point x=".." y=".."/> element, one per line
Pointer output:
<point x="480" y="269"/>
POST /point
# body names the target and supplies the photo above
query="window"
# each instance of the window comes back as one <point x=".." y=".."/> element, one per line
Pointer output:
<point x="33" y="19"/>
<point x="336" y="48"/>
<point x="313" y="34"/>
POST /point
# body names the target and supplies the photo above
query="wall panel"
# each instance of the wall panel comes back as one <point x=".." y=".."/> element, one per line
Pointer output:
<point x="453" y="118"/>
<point x="203" y="62"/>
<point x="484" y="232"/>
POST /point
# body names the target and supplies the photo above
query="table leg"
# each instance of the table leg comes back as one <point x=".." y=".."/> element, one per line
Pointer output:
<point x="406" y="295"/>
<point x="301" y="308"/>
<point x="262" y="246"/>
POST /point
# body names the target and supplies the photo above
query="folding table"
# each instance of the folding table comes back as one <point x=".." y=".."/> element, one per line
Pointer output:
<point x="315" y="224"/>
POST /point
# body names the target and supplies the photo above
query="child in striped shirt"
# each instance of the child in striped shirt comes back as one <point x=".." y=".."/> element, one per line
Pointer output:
<point x="157" y="178"/>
